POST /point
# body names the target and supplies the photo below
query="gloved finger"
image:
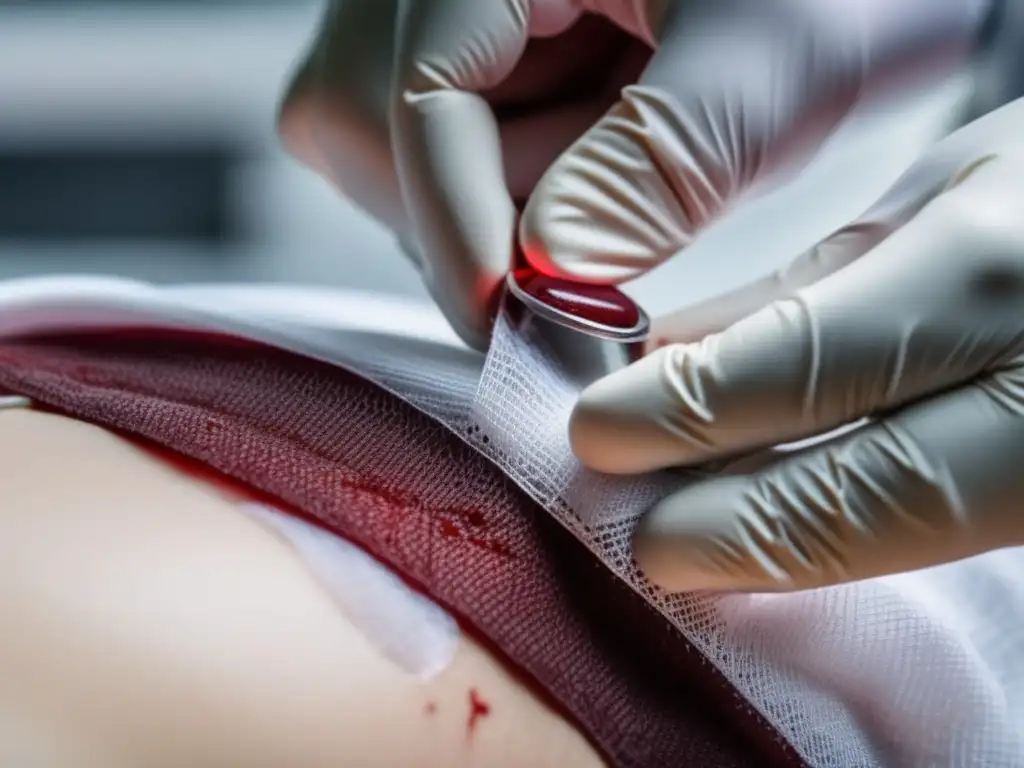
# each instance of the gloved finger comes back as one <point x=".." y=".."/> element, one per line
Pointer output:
<point x="694" y="322"/>
<point x="895" y="325"/>
<point x="334" y="116"/>
<point x="735" y="90"/>
<point x="915" y="188"/>
<point x="900" y="203"/>
<point x="937" y="482"/>
<point x="448" y="153"/>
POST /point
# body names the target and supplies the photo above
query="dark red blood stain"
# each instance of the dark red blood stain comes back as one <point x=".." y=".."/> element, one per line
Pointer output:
<point x="600" y="304"/>
<point x="490" y="545"/>
<point x="450" y="529"/>
<point x="478" y="709"/>
<point x="430" y="708"/>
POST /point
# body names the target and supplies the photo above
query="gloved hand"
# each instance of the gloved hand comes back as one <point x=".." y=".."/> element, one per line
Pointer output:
<point x="434" y="115"/>
<point x="437" y="117"/>
<point x="913" y="315"/>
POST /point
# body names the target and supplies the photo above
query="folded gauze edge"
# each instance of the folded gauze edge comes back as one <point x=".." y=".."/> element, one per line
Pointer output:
<point x="916" y="669"/>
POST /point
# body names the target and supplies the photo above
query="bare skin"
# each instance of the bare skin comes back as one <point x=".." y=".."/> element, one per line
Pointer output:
<point x="148" y="623"/>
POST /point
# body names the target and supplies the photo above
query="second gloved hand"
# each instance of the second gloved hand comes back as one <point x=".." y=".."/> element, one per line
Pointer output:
<point x="912" y="316"/>
<point x="436" y="115"/>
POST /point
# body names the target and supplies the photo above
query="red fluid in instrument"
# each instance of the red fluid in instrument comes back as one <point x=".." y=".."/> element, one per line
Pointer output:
<point x="600" y="304"/>
<point x="478" y="709"/>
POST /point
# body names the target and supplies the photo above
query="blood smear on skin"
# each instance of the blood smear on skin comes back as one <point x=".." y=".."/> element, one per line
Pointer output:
<point x="478" y="709"/>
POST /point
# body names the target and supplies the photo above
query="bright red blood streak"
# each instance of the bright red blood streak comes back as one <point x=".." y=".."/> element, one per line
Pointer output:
<point x="601" y="304"/>
<point x="451" y="530"/>
<point x="478" y="708"/>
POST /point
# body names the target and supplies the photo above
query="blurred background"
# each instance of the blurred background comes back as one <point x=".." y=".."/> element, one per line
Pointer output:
<point x="137" y="139"/>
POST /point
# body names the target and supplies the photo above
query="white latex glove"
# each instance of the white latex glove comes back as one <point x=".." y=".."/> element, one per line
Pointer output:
<point x="435" y="115"/>
<point x="912" y="315"/>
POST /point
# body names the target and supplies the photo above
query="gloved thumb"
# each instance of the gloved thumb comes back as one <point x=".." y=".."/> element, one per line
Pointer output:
<point x="735" y="90"/>
<point x="733" y="391"/>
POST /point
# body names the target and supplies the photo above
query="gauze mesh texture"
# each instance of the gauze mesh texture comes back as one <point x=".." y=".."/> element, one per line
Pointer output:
<point x="923" y="669"/>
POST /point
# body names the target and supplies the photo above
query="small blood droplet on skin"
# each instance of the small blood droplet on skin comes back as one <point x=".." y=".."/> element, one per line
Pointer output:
<point x="478" y="709"/>
<point x="430" y="708"/>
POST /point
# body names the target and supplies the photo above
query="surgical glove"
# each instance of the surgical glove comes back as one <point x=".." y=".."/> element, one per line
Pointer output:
<point x="736" y="91"/>
<point x="438" y="117"/>
<point x="913" y="317"/>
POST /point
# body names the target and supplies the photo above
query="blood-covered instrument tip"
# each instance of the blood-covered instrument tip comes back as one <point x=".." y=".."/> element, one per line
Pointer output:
<point x="595" y="310"/>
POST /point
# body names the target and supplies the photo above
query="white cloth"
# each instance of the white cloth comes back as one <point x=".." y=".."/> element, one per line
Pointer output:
<point x="404" y="626"/>
<point x="923" y="669"/>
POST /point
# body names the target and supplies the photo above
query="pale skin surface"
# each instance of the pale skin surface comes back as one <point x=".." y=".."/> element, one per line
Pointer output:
<point x="148" y="623"/>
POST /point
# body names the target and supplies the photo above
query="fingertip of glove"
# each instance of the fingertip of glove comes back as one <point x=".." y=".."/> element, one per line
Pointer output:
<point x="586" y="434"/>
<point x="535" y="246"/>
<point x="474" y="328"/>
<point x="598" y="432"/>
<point x="470" y="311"/>
<point x="623" y="423"/>
<point x="653" y="553"/>
<point x="682" y="544"/>
<point x="561" y="238"/>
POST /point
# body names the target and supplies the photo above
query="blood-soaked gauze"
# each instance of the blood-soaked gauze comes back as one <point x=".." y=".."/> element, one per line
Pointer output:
<point x="368" y="466"/>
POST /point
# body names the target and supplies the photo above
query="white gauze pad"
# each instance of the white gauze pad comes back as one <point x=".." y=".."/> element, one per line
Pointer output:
<point x="921" y="669"/>
<point x="403" y="625"/>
